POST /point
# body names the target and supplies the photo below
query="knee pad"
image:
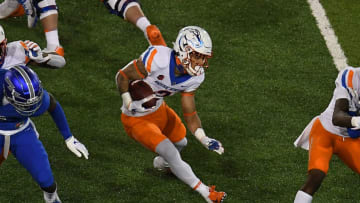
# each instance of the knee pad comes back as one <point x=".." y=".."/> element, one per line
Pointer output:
<point x="120" y="7"/>
<point x="44" y="8"/>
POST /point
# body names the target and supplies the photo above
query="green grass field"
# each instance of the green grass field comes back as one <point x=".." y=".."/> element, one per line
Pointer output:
<point x="270" y="75"/>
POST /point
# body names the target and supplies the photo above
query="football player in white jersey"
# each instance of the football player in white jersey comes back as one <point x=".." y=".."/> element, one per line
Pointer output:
<point x="130" y="10"/>
<point x="159" y="128"/>
<point x="47" y="12"/>
<point x="24" y="52"/>
<point x="335" y="131"/>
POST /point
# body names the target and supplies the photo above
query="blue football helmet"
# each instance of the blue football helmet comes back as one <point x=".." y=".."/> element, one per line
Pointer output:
<point x="23" y="90"/>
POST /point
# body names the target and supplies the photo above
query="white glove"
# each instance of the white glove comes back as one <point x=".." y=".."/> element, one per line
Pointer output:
<point x="136" y="106"/>
<point x="35" y="53"/>
<point x="355" y="122"/>
<point x="76" y="147"/>
<point x="209" y="143"/>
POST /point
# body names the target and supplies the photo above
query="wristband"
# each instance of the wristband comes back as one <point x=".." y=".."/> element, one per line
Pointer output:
<point x="126" y="99"/>
<point x="355" y="120"/>
<point x="199" y="134"/>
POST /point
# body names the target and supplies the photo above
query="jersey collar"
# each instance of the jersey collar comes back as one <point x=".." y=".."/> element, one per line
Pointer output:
<point x="173" y="78"/>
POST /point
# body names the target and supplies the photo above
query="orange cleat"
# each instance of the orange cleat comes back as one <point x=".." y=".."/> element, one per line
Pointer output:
<point x="60" y="51"/>
<point x="20" y="11"/>
<point x="216" y="197"/>
<point x="154" y="36"/>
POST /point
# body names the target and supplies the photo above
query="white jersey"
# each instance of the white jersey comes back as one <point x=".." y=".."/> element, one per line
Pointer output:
<point x="16" y="54"/>
<point x="160" y="64"/>
<point x="347" y="87"/>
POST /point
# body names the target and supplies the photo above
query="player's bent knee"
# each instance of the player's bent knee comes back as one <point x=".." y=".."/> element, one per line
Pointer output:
<point x="182" y="143"/>
<point x="46" y="8"/>
<point x="119" y="7"/>
<point x="167" y="150"/>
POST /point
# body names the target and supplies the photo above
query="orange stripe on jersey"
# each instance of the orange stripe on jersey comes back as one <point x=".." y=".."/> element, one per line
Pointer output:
<point x="187" y="94"/>
<point x="137" y="69"/>
<point x="350" y="77"/>
<point x="27" y="59"/>
<point x="149" y="62"/>
<point x="189" y="114"/>
<point x="24" y="45"/>
<point x="123" y="74"/>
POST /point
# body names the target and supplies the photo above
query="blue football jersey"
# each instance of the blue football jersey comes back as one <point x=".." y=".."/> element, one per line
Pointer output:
<point x="10" y="119"/>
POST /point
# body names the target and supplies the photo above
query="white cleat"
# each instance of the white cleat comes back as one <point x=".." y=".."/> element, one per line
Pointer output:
<point x="8" y="7"/>
<point x="30" y="11"/>
<point x="55" y="58"/>
<point x="160" y="164"/>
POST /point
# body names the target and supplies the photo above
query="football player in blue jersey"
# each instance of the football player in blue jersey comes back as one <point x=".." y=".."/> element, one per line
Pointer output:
<point x="22" y="97"/>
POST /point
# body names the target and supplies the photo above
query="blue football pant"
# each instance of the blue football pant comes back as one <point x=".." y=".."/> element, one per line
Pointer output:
<point x="31" y="154"/>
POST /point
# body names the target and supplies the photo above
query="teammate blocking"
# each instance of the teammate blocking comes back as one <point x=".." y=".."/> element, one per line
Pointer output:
<point x="23" y="97"/>
<point x="159" y="129"/>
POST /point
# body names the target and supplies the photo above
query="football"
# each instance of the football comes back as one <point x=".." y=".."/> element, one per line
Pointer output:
<point x="139" y="90"/>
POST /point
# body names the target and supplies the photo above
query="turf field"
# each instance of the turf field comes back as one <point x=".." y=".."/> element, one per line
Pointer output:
<point x="270" y="74"/>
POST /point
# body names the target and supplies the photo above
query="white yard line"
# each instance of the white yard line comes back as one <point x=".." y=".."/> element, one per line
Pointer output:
<point x="328" y="33"/>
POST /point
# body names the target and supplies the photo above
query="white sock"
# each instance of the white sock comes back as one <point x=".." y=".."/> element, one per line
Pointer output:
<point x="142" y="23"/>
<point x="202" y="189"/>
<point x="302" y="197"/>
<point x="52" y="39"/>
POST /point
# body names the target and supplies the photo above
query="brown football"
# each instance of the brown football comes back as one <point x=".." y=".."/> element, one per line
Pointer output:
<point x="139" y="90"/>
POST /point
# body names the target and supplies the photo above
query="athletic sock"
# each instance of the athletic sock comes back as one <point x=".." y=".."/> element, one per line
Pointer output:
<point x="142" y="23"/>
<point x="302" y="197"/>
<point x="52" y="39"/>
<point x="202" y="189"/>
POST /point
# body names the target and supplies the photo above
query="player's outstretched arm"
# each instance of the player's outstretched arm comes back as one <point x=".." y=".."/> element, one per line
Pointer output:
<point x="59" y="118"/>
<point x="193" y="123"/>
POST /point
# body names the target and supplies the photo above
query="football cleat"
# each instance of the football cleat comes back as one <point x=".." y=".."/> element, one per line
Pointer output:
<point x="160" y="164"/>
<point x="154" y="36"/>
<point x="56" y="57"/>
<point x="214" y="196"/>
<point x="30" y="11"/>
<point x="11" y="8"/>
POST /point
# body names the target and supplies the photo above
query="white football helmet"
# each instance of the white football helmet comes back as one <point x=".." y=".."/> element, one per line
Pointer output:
<point x="193" y="40"/>
<point x="3" y="42"/>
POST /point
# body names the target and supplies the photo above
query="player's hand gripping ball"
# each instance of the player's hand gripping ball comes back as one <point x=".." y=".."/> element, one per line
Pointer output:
<point x="139" y="90"/>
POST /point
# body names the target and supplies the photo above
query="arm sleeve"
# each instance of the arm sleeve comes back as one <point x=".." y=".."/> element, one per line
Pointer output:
<point x="59" y="118"/>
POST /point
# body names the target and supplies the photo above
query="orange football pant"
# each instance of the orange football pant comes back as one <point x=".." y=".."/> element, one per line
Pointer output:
<point x="324" y="144"/>
<point x="151" y="129"/>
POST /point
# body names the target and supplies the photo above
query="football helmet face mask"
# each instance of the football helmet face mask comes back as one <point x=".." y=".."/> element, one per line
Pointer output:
<point x="23" y="90"/>
<point x="193" y="47"/>
<point x="3" y="42"/>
